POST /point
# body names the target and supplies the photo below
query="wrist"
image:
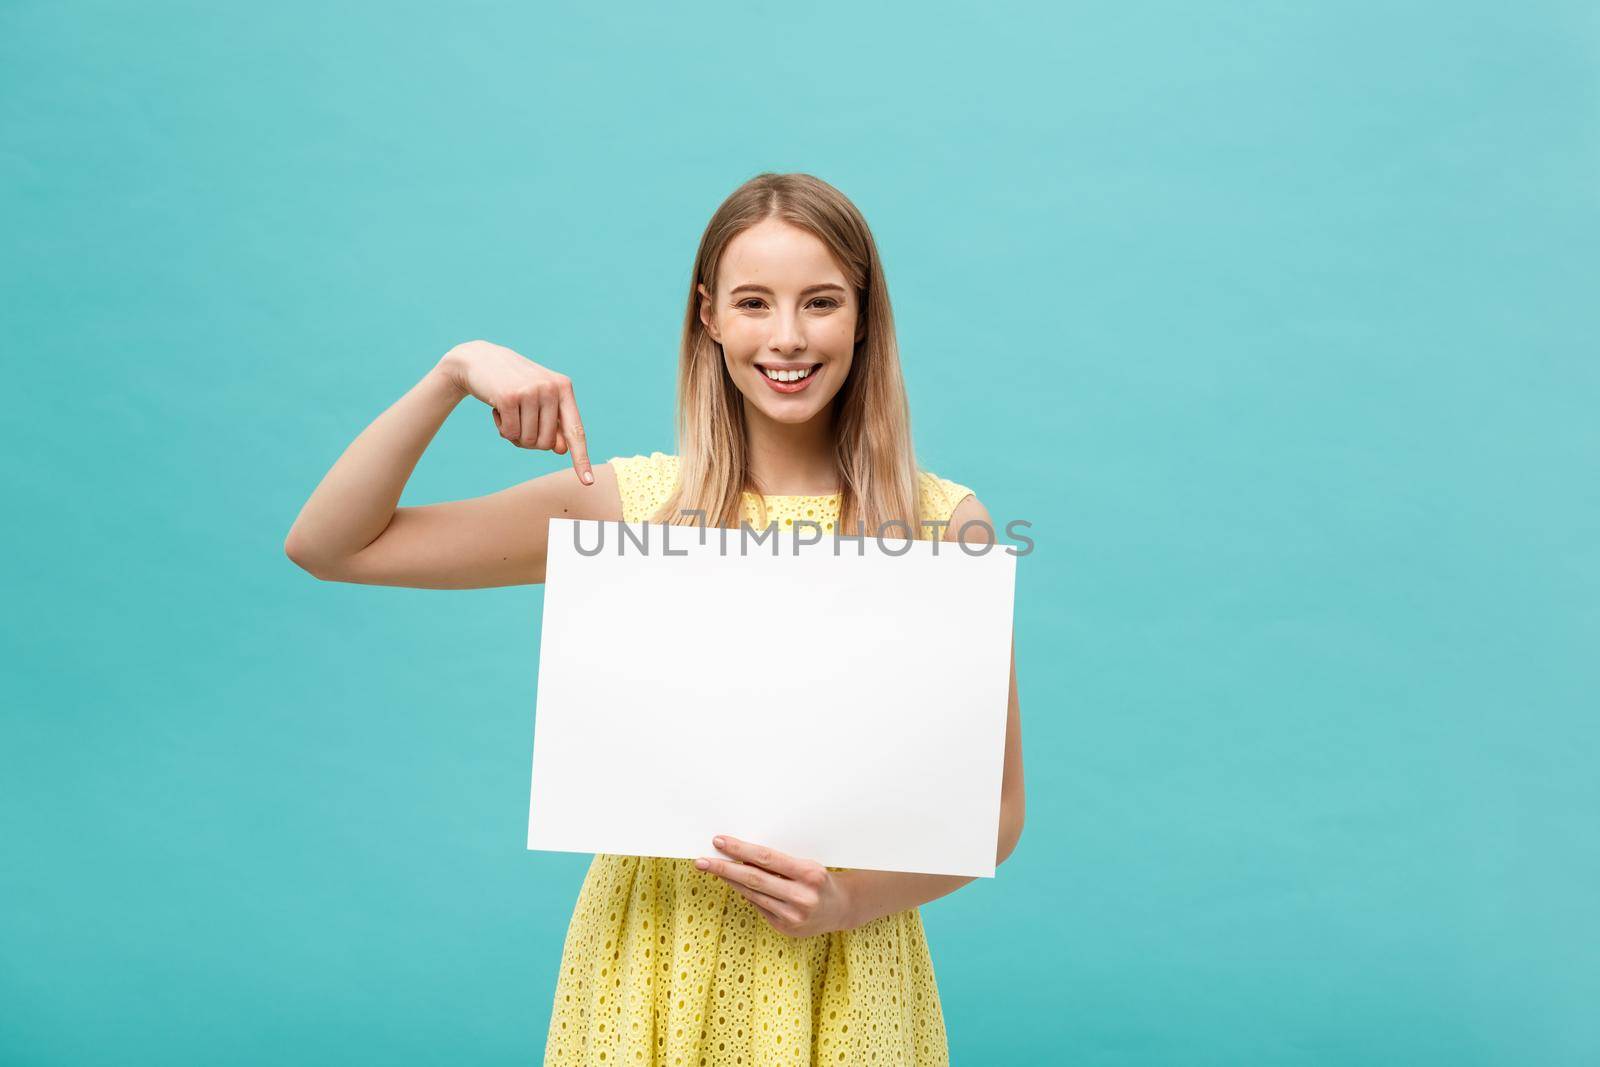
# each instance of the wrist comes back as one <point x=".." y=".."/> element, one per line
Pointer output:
<point x="850" y="899"/>
<point x="447" y="373"/>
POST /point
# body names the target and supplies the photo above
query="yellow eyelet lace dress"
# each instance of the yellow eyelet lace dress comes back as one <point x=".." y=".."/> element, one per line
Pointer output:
<point x="665" y="965"/>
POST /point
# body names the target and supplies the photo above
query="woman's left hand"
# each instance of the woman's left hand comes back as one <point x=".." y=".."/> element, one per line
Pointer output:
<point x="800" y="898"/>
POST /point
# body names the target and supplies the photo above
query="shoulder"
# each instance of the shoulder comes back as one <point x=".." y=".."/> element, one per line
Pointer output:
<point x="941" y="497"/>
<point x="959" y="507"/>
<point x="643" y="481"/>
<point x="652" y="466"/>
<point x="968" y="512"/>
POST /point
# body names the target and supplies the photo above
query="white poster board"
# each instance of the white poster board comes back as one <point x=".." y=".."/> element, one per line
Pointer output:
<point x="843" y="701"/>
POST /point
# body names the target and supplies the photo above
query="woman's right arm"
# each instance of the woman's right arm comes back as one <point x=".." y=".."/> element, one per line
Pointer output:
<point x="350" y="530"/>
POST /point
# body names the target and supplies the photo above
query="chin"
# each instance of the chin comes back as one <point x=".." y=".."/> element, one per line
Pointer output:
<point x="791" y="416"/>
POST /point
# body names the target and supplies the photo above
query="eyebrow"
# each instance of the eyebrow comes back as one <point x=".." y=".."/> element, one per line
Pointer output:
<point x="763" y="289"/>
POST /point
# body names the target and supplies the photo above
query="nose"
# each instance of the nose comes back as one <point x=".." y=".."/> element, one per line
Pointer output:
<point x="787" y="334"/>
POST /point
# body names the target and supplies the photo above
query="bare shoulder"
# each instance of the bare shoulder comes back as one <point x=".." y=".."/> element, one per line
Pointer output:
<point x="970" y="515"/>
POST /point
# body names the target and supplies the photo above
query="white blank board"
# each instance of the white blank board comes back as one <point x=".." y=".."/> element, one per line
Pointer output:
<point x="843" y="701"/>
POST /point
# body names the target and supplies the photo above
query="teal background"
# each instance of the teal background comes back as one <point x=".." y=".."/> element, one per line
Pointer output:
<point x="1277" y="322"/>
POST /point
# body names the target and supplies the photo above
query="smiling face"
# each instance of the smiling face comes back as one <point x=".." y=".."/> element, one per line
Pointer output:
<point x="786" y="319"/>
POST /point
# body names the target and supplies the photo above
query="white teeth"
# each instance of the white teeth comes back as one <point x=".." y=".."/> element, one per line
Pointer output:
<point x="787" y="375"/>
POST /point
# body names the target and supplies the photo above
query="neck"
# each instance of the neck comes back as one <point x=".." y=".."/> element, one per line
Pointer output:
<point x="792" y="459"/>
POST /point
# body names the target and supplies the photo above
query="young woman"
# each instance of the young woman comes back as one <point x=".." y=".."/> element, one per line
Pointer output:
<point x="790" y="406"/>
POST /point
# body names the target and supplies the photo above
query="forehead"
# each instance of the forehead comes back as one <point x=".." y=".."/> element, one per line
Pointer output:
<point x="779" y="255"/>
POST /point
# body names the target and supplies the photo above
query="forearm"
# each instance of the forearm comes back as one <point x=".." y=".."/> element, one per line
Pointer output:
<point x="874" y="894"/>
<point x="356" y="499"/>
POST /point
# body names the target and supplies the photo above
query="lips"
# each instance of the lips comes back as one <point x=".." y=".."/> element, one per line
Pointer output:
<point x="817" y="370"/>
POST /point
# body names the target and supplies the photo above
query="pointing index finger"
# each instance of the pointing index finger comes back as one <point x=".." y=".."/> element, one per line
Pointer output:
<point x="572" y="429"/>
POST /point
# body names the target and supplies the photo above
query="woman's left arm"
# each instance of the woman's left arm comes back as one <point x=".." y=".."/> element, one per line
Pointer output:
<point x="801" y="898"/>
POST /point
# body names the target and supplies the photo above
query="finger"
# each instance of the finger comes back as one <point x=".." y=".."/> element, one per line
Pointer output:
<point x="548" y="421"/>
<point x="572" y="427"/>
<point x="753" y="877"/>
<point x="508" y="421"/>
<point x="774" y="920"/>
<point x="530" y="421"/>
<point x="561" y="442"/>
<point x="774" y="909"/>
<point x="762" y="856"/>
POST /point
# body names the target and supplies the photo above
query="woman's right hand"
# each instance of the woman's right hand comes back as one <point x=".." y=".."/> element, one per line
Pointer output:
<point x="533" y="406"/>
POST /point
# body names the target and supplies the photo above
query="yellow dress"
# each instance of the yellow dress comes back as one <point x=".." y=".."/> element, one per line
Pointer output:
<point x="665" y="965"/>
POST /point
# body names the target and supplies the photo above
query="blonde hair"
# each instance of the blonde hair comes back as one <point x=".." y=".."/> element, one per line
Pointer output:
<point x="873" y="452"/>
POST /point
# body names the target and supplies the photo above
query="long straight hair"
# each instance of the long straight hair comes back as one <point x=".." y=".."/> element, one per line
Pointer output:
<point x="873" y="453"/>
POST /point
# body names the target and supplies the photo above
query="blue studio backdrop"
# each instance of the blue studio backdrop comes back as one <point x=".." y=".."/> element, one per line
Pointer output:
<point x="1276" y="321"/>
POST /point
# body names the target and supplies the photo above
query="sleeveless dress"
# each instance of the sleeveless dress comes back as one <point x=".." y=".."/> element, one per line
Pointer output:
<point x="665" y="965"/>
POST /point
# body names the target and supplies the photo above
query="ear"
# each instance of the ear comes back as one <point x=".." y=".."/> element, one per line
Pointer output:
<point x="707" y="319"/>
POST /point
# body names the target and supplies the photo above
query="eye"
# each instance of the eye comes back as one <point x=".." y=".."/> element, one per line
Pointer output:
<point x="828" y="300"/>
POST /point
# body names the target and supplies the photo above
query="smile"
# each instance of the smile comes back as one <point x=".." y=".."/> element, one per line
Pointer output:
<point x="789" y="381"/>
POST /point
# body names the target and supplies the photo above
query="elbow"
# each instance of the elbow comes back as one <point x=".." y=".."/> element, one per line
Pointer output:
<point x="297" y="553"/>
<point x="303" y="558"/>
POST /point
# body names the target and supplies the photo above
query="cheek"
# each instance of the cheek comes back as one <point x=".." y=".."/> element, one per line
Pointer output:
<point x="841" y="333"/>
<point x="742" y="339"/>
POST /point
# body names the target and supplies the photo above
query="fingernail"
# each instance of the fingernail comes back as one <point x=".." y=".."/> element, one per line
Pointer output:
<point x="588" y="479"/>
<point x="718" y="842"/>
<point x="702" y="864"/>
